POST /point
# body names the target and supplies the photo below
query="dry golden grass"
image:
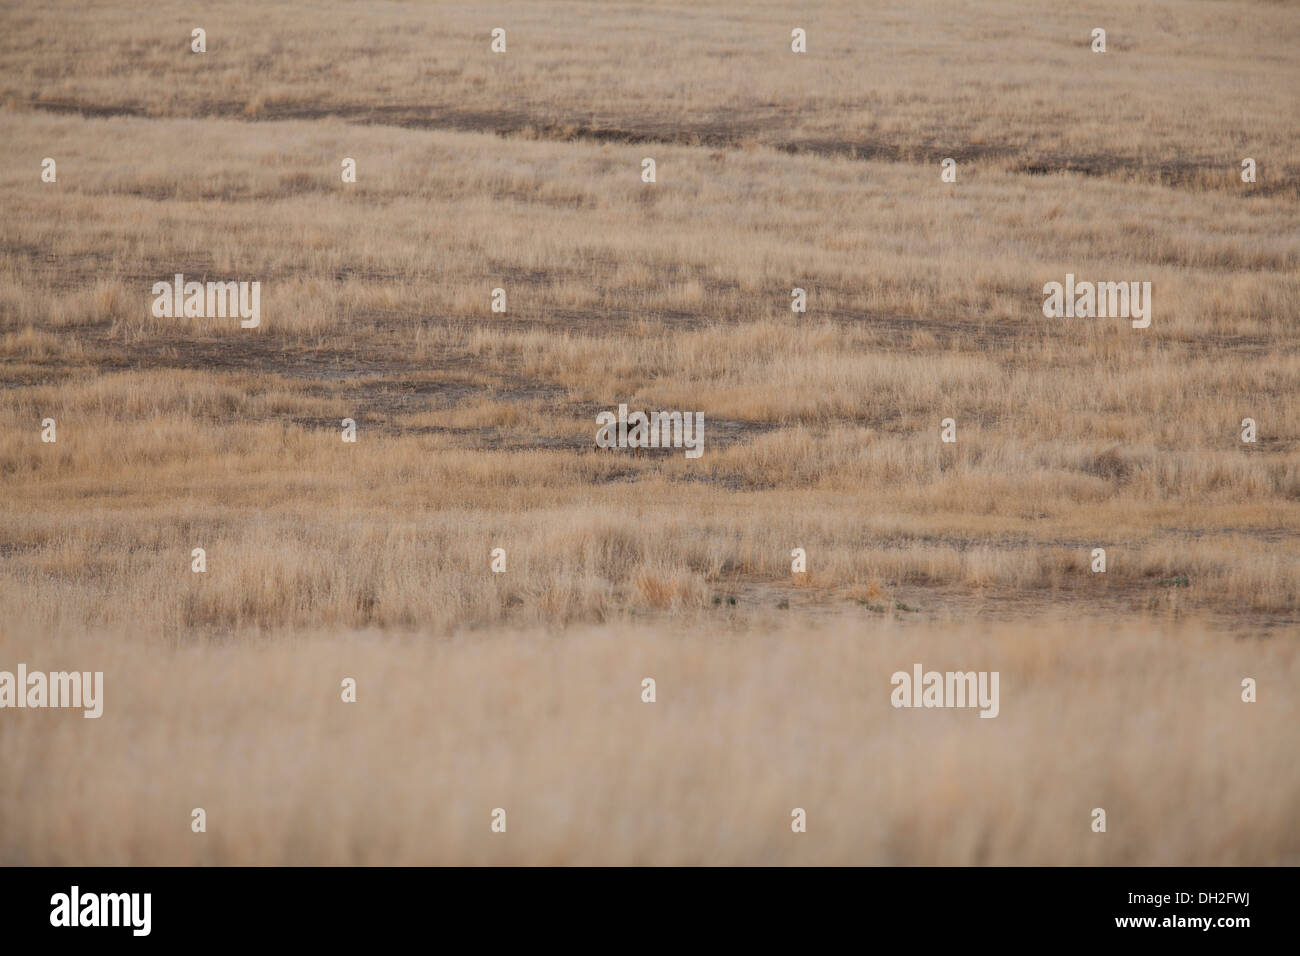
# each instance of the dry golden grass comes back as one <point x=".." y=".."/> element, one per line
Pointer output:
<point x="1144" y="722"/>
<point x="1184" y="88"/>
<point x="822" y="430"/>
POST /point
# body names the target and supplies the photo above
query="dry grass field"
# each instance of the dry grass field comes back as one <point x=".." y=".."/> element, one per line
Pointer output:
<point x="522" y="171"/>
<point x="1143" y="721"/>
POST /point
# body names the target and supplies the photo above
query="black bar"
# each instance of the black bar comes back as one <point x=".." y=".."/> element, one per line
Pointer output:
<point x="659" y="908"/>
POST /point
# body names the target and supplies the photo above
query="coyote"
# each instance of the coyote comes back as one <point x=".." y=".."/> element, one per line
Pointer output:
<point x="637" y="450"/>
